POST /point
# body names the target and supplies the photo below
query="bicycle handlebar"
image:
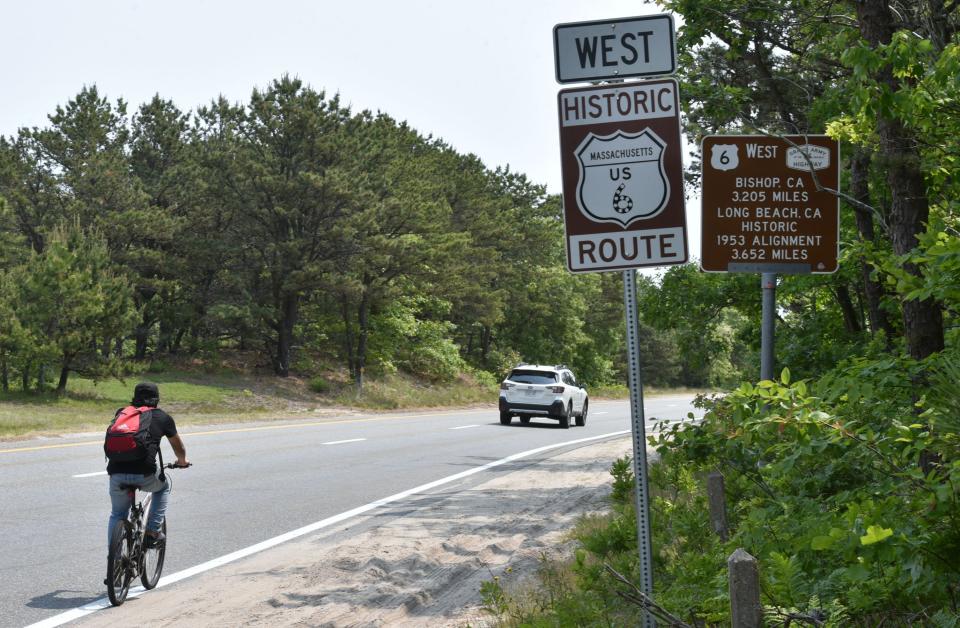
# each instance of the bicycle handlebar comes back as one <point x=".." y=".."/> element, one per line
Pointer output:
<point x="174" y="465"/>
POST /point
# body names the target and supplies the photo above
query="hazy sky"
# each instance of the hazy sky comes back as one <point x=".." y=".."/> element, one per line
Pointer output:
<point x="477" y="74"/>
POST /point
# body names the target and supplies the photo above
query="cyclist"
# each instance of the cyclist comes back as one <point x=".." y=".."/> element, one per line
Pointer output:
<point x="144" y="472"/>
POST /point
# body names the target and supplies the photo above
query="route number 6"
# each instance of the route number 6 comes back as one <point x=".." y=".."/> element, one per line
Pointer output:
<point x="724" y="156"/>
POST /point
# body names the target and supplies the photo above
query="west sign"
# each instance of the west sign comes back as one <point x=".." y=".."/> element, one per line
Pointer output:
<point x="614" y="49"/>
<point x="768" y="205"/>
<point x="622" y="176"/>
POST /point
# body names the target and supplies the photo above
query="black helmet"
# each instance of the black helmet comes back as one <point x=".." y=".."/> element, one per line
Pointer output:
<point x="146" y="394"/>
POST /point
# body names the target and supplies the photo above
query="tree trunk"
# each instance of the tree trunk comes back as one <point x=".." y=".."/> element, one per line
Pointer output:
<point x="5" y="375"/>
<point x="164" y="336"/>
<point x="872" y="290"/>
<point x="25" y="377"/>
<point x="288" y="319"/>
<point x="62" y="384"/>
<point x="178" y="341"/>
<point x="486" y="336"/>
<point x="141" y="334"/>
<point x="41" y="377"/>
<point x="909" y="208"/>
<point x="348" y="335"/>
<point x="850" y="319"/>
<point x="363" y="320"/>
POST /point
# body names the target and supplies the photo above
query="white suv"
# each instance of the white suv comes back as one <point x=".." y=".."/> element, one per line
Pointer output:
<point x="547" y="391"/>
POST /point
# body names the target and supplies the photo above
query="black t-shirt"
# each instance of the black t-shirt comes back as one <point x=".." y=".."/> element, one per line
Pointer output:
<point x="161" y="424"/>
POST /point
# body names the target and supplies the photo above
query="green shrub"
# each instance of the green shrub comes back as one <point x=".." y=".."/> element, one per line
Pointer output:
<point x="623" y="484"/>
<point x="827" y="492"/>
<point x="824" y="486"/>
<point x="320" y="384"/>
<point x="432" y="354"/>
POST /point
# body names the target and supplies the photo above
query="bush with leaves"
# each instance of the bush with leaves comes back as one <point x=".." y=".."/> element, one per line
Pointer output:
<point x="827" y="491"/>
<point x="824" y="485"/>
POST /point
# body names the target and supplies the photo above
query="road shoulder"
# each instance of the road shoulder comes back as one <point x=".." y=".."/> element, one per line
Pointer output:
<point x="416" y="562"/>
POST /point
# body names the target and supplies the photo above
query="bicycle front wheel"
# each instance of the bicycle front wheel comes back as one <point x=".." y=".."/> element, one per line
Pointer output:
<point x="153" y="562"/>
<point x="119" y="572"/>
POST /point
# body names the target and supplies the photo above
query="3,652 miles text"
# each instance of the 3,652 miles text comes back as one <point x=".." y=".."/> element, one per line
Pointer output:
<point x="748" y="254"/>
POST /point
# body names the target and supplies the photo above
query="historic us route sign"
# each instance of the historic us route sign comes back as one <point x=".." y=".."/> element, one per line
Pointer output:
<point x="762" y="209"/>
<point x="622" y="176"/>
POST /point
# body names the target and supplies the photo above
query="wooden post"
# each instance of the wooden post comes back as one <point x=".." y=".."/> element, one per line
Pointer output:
<point x="718" y="504"/>
<point x="744" y="578"/>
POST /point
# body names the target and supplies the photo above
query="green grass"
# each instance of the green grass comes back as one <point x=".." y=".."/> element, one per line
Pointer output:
<point x="398" y="391"/>
<point x="90" y="405"/>
<point x="197" y="397"/>
<point x="222" y="397"/>
<point x="172" y="387"/>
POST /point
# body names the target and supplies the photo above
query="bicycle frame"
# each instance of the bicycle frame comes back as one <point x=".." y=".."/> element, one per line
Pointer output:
<point x="137" y="518"/>
<point x="128" y="557"/>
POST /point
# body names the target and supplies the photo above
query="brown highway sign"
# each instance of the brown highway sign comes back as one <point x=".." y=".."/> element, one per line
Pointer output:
<point x="622" y="176"/>
<point x="762" y="210"/>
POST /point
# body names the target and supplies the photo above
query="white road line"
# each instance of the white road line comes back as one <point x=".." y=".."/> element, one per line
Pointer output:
<point x="596" y="413"/>
<point x="340" y="442"/>
<point x="89" y="475"/>
<point x="86" y="609"/>
<point x="463" y="427"/>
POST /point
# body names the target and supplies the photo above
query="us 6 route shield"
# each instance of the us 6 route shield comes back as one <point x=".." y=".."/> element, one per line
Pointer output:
<point x="769" y="205"/>
<point x="622" y="176"/>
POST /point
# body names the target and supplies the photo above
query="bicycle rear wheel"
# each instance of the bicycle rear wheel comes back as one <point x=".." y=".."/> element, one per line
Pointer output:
<point x="153" y="562"/>
<point x="118" y="564"/>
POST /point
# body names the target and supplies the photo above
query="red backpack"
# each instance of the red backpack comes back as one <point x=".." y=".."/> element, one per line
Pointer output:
<point x="128" y="437"/>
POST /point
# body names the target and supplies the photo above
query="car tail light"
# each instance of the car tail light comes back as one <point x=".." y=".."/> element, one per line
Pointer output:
<point x="506" y="385"/>
<point x="556" y="389"/>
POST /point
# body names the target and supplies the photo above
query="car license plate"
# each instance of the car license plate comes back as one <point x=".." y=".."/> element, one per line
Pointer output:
<point x="531" y="392"/>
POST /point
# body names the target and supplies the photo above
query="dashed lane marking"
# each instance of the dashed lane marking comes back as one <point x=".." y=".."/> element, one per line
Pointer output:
<point x="340" y="442"/>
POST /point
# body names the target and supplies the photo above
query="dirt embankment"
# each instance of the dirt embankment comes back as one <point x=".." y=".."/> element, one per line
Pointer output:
<point x="419" y="562"/>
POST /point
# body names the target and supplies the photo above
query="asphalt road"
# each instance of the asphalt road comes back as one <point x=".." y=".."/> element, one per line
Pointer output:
<point x="250" y="482"/>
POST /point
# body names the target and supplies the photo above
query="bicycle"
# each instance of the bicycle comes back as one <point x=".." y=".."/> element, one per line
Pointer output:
<point x="128" y="556"/>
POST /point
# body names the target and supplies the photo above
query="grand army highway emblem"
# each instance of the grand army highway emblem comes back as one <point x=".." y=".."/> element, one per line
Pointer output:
<point x="622" y="178"/>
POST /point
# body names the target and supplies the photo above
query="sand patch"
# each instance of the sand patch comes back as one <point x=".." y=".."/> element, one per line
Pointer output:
<point x="419" y="562"/>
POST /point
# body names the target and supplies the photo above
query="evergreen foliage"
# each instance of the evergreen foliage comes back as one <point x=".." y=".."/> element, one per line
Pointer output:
<point x="288" y="227"/>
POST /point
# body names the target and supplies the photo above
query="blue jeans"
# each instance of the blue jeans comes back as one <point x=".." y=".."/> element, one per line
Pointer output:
<point x="121" y="503"/>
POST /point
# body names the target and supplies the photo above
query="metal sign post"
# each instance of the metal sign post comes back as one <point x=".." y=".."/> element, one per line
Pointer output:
<point x="623" y="201"/>
<point x="638" y="424"/>
<point x="768" y="283"/>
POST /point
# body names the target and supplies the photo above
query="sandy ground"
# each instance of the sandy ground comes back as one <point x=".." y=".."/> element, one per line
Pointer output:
<point x="419" y="562"/>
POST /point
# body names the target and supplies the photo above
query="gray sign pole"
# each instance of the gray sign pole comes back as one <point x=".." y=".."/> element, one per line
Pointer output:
<point x="768" y="283"/>
<point x="635" y="382"/>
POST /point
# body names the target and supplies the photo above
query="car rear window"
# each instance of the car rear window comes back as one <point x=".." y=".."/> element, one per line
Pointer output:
<point x="533" y="377"/>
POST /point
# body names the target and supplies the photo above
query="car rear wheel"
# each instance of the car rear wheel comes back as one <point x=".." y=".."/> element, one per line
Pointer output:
<point x="505" y="418"/>
<point x="582" y="419"/>
<point x="565" y="418"/>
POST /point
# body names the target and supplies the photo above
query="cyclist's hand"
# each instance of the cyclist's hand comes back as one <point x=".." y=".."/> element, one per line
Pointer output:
<point x="183" y="463"/>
